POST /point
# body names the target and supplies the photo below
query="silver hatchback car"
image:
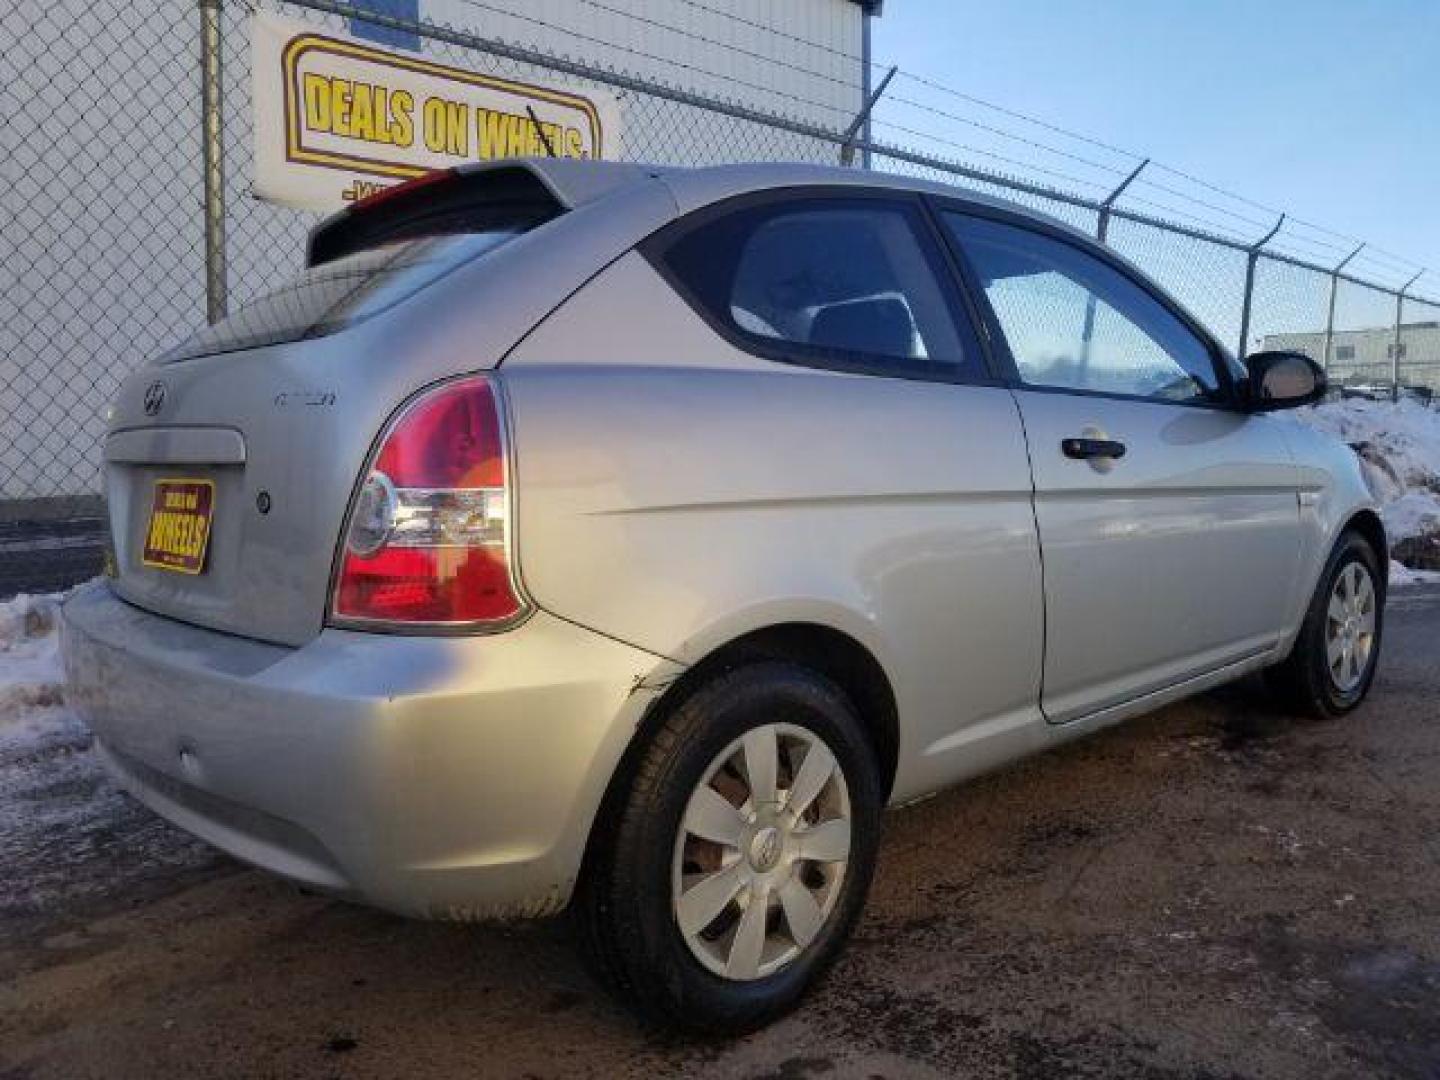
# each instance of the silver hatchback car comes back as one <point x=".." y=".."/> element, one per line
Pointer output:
<point x="592" y="535"/>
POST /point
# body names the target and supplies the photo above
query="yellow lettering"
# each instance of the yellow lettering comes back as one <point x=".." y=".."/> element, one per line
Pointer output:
<point x="490" y="133"/>
<point x="433" y="125"/>
<point x="362" y="112"/>
<point x="520" y="133"/>
<point x="317" y="102"/>
<point x="457" y="128"/>
<point x="447" y="128"/>
<point x="340" y="91"/>
<point x="361" y="189"/>
<point x="381" y="111"/>
<point x="402" y="126"/>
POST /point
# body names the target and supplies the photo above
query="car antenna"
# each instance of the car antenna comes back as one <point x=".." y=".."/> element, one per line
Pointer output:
<point x="549" y="150"/>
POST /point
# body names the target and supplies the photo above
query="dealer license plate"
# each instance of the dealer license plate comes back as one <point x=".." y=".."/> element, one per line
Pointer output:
<point x="178" y="533"/>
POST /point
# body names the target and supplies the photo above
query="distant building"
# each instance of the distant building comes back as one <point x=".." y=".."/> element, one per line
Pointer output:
<point x="1367" y="357"/>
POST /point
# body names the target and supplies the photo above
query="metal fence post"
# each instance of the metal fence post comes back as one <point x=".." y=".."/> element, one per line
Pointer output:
<point x="1102" y="229"/>
<point x="1102" y="224"/>
<point x="1330" y="314"/>
<point x="1252" y="257"/>
<point x="213" y="149"/>
<point x="866" y="65"/>
<point x="1399" y="338"/>
<point x="862" y="119"/>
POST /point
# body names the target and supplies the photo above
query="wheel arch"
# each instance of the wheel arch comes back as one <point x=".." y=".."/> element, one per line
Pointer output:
<point x="1365" y="522"/>
<point x="820" y="648"/>
<point x="829" y="652"/>
<point x="1368" y="524"/>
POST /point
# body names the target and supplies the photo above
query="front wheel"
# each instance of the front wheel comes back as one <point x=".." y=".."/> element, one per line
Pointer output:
<point x="733" y="871"/>
<point x="1332" y="665"/>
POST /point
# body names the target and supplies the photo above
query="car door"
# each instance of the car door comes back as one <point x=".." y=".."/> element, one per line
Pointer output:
<point x="786" y="419"/>
<point x="1168" y="519"/>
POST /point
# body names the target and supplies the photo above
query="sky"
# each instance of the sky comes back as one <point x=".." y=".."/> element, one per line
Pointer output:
<point x="1326" y="108"/>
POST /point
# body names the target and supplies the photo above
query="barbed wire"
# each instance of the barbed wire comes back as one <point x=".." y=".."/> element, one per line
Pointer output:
<point x="74" y="221"/>
<point x="967" y="148"/>
<point x="771" y="29"/>
<point x="655" y="58"/>
<point x="1374" y="255"/>
<point x="645" y="20"/>
<point x="1112" y="169"/>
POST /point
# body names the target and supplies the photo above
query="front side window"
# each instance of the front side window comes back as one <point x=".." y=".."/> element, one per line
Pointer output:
<point x="844" y="282"/>
<point x="1074" y="322"/>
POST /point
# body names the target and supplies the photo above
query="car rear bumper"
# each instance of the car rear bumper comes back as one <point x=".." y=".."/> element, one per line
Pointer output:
<point x="445" y="777"/>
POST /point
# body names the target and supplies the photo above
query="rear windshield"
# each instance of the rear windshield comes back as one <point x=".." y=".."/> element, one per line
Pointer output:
<point x="338" y="294"/>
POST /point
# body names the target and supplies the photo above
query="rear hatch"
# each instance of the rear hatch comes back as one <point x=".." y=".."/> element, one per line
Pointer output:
<point x="231" y="461"/>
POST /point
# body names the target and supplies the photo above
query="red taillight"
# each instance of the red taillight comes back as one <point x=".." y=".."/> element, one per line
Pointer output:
<point x="428" y="537"/>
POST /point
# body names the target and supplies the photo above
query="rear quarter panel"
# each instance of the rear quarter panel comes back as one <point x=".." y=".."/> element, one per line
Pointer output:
<point x="309" y="412"/>
<point x="676" y="493"/>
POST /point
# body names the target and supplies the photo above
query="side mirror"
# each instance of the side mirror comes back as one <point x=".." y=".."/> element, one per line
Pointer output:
<point x="1283" y="380"/>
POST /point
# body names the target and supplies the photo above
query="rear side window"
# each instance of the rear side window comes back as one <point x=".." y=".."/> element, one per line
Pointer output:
<point x="850" y="283"/>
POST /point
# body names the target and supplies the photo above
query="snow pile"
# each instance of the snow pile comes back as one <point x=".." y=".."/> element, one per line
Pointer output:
<point x="1399" y="448"/>
<point x="1400" y="574"/>
<point x="29" y="654"/>
<point x="67" y="833"/>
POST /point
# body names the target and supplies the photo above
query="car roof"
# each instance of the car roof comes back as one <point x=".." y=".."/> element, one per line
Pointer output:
<point x="698" y="187"/>
<point x="575" y="182"/>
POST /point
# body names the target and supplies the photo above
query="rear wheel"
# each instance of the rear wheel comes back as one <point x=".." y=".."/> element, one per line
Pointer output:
<point x="739" y="858"/>
<point x="1332" y="665"/>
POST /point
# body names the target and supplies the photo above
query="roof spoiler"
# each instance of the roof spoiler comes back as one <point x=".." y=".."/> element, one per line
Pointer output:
<point x="466" y="198"/>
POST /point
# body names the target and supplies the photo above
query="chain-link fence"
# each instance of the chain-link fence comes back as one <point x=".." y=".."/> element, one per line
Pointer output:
<point x="115" y="245"/>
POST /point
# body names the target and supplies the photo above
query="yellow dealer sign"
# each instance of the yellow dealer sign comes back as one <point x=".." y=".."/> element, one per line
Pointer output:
<point x="337" y="119"/>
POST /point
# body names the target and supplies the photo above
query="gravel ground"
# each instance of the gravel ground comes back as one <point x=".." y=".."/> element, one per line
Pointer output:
<point x="1212" y="891"/>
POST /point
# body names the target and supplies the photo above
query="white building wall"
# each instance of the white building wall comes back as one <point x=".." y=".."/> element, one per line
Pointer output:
<point x="755" y="52"/>
<point x="101" y="243"/>
<point x="100" y="260"/>
<point x="1366" y="357"/>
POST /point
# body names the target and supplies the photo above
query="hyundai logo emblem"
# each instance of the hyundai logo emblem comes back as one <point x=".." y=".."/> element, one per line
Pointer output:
<point x="154" y="398"/>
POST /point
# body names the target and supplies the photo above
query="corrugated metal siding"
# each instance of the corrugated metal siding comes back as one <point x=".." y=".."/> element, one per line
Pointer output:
<point x="104" y="188"/>
<point x="799" y="57"/>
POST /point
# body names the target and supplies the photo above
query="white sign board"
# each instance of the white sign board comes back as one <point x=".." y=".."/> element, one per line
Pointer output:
<point x="337" y="119"/>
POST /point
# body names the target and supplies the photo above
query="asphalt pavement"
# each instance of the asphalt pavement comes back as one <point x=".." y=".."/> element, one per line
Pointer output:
<point x="1216" y="890"/>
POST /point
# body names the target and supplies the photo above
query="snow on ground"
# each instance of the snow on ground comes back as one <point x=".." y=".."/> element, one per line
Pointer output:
<point x="66" y="831"/>
<point x="1400" y="574"/>
<point x="30" y="669"/>
<point x="1399" y="448"/>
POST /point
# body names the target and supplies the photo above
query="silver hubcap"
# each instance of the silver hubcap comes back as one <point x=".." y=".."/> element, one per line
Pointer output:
<point x="761" y="852"/>
<point x="1350" y="627"/>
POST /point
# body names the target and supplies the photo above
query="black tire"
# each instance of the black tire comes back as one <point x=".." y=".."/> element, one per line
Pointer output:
<point x="1303" y="682"/>
<point x="624" y="903"/>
